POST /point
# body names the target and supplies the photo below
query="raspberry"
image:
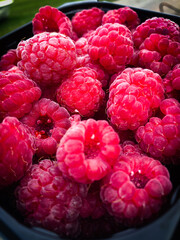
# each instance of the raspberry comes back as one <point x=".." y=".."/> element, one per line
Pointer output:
<point x="92" y="204"/>
<point x="50" y="19"/>
<point x="111" y="45"/>
<point x="159" y="54"/>
<point x="133" y="96"/>
<point x="48" y="122"/>
<point x="8" y="60"/>
<point x="158" y="25"/>
<point x="102" y="74"/>
<point x="124" y="15"/>
<point x="16" y="151"/>
<point x="17" y="93"/>
<point x="48" y="200"/>
<point x="172" y="82"/>
<point x="81" y="46"/>
<point x="47" y="57"/>
<point x="81" y="92"/>
<point x="161" y="137"/>
<point x="86" y="20"/>
<point x="88" y="150"/>
<point x="135" y="189"/>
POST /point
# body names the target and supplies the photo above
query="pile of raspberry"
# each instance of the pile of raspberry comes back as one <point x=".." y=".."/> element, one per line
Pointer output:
<point x="90" y="121"/>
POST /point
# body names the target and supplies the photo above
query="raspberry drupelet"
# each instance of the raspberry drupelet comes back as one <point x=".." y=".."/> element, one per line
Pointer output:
<point x="17" y="93"/>
<point x="48" y="122"/>
<point x="47" y="57"/>
<point x="133" y="96"/>
<point x="8" y="60"/>
<point x="136" y="189"/>
<point x="124" y="15"/>
<point x="112" y="46"/>
<point x="50" y="19"/>
<point x="160" y="138"/>
<point x="16" y="151"/>
<point x="88" y="150"/>
<point x="159" y="25"/>
<point x="87" y="20"/>
<point x="47" y="199"/>
<point x="82" y="92"/>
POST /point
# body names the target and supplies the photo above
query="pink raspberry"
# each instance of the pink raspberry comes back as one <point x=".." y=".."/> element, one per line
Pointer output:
<point x="17" y="93"/>
<point x="124" y="15"/>
<point x="133" y="96"/>
<point x="158" y="53"/>
<point x="81" y="92"/>
<point x="160" y="138"/>
<point x="102" y="74"/>
<point x="46" y="199"/>
<point x="16" y="151"/>
<point x="48" y="122"/>
<point x="136" y="189"/>
<point x="8" y="60"/>
<point x="159" y="25"/>
<point x="88" y="150"/>
<point x="81" y="46"/>
<point x="50" y="19"/>
<point x="172" y="82"/>
<point x="86" y="20"/>
<point x="92" y="204"/>
<point x="112" y="46"/>
<point x="47" y="57"/>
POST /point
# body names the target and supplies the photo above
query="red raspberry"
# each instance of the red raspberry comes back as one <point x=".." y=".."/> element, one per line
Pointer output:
<point x="17" y="93"/>
<point x="124" y="15"/>
<point x="88" y="150"/>
<point x="81" y="92"/>
<point x="111" y="45"/>
<point x="158" y="25"/>
<point x="159" y="54"/>
<point x="47" y="199"/>
<point x="47" y="57"/>
<point x="81" y="46"/>
<point x="92" y="204"/>
<point x="50" y="19"/>
<point x="8" y="60"/>
<point x="172" y="82"/>
<point x="102" y="74"/>
<point x="16" y="151"/>
<point x="48" y="122"/>
<point x="86" y="20"/>
<point x="161" y="137"/>
<point x="133" y="96"/>
<point x="136" y="189"/>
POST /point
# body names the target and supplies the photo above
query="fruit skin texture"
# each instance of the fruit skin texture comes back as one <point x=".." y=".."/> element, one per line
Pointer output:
<point x="158" y="25"/>
<point x="88" y="150"/>
<point x="112" y="46"/>
<point x="48" y="122"/>
<point x="87" y="20"/>
<point x="16" y="151"/>
<point x="17" y="93"/>
<point x="50" y="19"/>
<point x="47" y="199"/>
<point x="133" y="96"/>
<point x="124" y="15"/>
<point x="136" y="188"/>
<point x="160" y="138"/>
<point x="82" y="92"/>
<point x="47" y="57"/>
